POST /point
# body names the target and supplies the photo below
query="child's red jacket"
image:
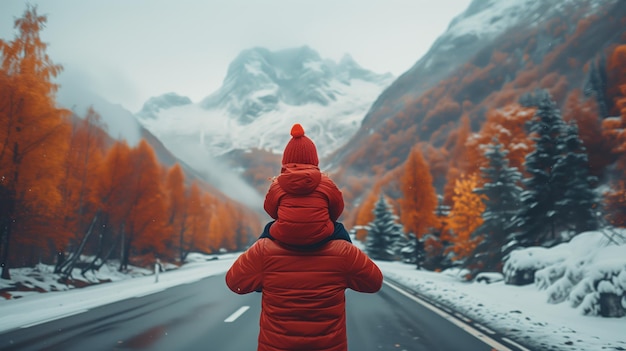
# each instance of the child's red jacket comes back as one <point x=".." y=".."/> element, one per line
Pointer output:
<point x="303" y="284"/>
<point x="304" y="202"/>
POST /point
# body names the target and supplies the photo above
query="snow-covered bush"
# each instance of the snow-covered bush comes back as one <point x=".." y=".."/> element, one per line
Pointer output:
<point x="603" y="290"/>
<point x="523" y="265"/>
<point x="559" y="289"/>
<point x="589" y="272"/>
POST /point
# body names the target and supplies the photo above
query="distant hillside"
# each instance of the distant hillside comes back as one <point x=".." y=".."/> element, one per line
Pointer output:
<point x="491" y="55"/>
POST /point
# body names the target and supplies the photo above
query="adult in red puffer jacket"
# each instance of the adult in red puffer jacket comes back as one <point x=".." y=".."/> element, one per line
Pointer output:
<point x="303" y="276"/>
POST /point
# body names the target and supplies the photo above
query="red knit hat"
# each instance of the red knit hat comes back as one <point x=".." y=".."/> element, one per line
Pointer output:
<point x="300" y="149"/>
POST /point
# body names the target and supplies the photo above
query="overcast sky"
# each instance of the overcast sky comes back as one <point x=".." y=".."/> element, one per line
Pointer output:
<point x="130" y="50"/>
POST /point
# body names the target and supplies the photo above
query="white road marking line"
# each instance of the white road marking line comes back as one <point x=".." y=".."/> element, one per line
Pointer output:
<point x="237" y="314"/>
<point x="462" y="317"/>
<point x="53" y="318"/>
<point x="514" y="343"/>
<point x="467" y="328"/>
<point x="482" y="327"/>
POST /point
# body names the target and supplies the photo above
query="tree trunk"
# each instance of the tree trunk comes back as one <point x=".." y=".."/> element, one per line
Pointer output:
<point x="122" y="249"/>
<point x="107" y="256"/>
<point x="611" y="305"/>
<point x="4" y="252"/>
<point x="71" y="263"/>
<point x="92" y="264"/>
<point x="181" y="252"/>
<point x="7" y="208"/>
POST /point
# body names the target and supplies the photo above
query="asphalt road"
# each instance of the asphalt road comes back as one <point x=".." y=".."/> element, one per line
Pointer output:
<point x="205" y="315"/>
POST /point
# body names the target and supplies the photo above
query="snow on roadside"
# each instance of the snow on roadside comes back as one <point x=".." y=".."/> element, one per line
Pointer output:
<point x="524" y="313"/>
<point x="33" y="307"/>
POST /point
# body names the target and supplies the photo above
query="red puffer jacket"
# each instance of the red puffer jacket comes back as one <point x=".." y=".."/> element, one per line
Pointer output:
<point x="303" y="303"/>
<point x="304" y="202"/>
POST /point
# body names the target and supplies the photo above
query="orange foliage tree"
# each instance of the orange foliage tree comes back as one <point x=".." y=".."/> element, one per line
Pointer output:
<point x="419" y="200"/>
<point x="590" y="130"/>
<point x="465" y="216"/>
<point x="365" y="213"/>
<point x="78" y="188"/>
<point x="112" y="184"/>
<point x="615" y="131"/>
<point x="198" y="215"/>
<point x="616" y="76"/>
<point x="460" y="157"/>
<point x="507" y="125"/>
<point x="144" y="224"/>
<point x="33" y="140"/>
<point x="177" y="220"/>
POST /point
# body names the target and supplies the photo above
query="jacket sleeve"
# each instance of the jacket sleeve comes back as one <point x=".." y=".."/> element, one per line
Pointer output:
<point x="335" y="200"/>
<point x="271" y="200"/>
<point x="363" y="275"/>
<point x="246" y="273"/>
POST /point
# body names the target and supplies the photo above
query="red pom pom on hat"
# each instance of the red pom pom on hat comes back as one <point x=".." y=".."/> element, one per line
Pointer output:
<point x="297" y="131"/>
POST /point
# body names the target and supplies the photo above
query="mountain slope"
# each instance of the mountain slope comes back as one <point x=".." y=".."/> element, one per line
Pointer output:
<point x="490" y="56"/>
<point x="121" y="124"/>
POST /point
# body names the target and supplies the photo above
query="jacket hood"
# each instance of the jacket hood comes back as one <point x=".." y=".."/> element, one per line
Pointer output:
<point x="299" y="179"/>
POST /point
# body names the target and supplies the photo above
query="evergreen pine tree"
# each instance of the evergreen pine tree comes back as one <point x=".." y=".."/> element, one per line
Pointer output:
<point x="409" y="249"/>
<point x="437" y="242"/>
<point x="502" y="192"/>
<point x="385" y="236"/>
<point x="538" y="219"/>
<point x="596" y="83"/>
<point x="413" y="251"/>
<point x="578" y="203"/>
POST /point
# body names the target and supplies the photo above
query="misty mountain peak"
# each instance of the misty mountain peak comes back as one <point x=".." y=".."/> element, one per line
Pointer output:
<point x="259" y="81"/>
<point x="152" y="107"/>
<point x="264" y="93"/>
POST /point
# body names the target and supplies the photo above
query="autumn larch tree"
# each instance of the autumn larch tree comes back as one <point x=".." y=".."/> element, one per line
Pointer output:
<point x="465" y="216"/>
<point x="615" y="131"/>
<point x="197" y="218"/>
<point x="461" y="159"/>
<point x="419" y="200"/>
<point x="33" y="139"/>
<point x="616" y="79"/>
<point x="78" y="187"/>
<point x="177" y="210"/>
<point x="112" y="190"/>
<point x="365" y="213"/>
<point x="144" y="225"/>
<point x="507" y="125"/>
<point x="598" y="146"/>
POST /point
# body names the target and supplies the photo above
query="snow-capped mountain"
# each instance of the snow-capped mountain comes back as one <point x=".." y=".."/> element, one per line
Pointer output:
<point x="263" y="94"/>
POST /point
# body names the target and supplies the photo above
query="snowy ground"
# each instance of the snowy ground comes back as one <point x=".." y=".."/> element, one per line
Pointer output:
<point x="520" y="312"/>
<point x="33" y="308"/>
